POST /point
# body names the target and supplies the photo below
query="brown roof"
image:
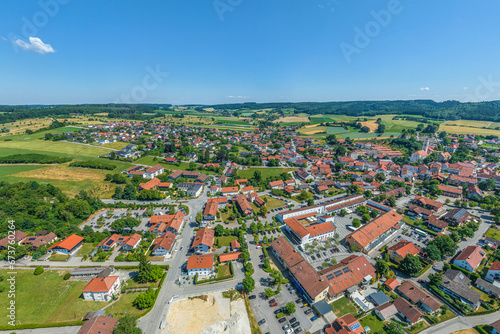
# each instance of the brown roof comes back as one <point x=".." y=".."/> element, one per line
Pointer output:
<point x="286" y="252"/>
<point x="211" y="208"/>
<point x="154" y="169"/>
<point x="276" y="183"/>
<point x="378" y="226"/>
<point x="229" y="256"/>
<point x="407" y="309"/>
<point x="387" y="310"/>
<point x="296" y="227"/>
<point x="39" y="240"/>
<point x="473" y="255"/>
<point x="448" y="189"/>
<point x="68" y="243"/>
<point x="200" y="261"/>
<point x="99" y="325"/>
<point x="416" y="294"/>
<point x="204" y="236"/>
<point x="18" y="236"/>
<point x="229" y="189"/>
<point x="165" y="241"/>
<point x="392" y="283"/>
<point x="102" y="284"/>
<point x="234" y="244"/>
<point x="404" y="248"/>
<point x="432" y="220"/>
<point x="309" y="279"/>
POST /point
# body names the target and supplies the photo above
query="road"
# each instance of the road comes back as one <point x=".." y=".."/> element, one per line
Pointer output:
<point x="460" y="323"/>
<point x="49" y="330"/>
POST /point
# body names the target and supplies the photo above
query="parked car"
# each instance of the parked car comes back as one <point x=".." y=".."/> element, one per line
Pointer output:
<point x="272" y="300"/>
<point x="274" y="304"/>
<point x="299" y="300"/>
<point x="314" y="318"/>
<point x="296" y="324"/>
<point x="293" y="320"/>
<point x="250" y="297"/>
<point x="298" y="330"/>
<point x="286" y="326"/>
<point x="313" y="258"/>
<point x="263" y="321"/>
<point x="308" y="311"/>
<point x="282" y="320"/>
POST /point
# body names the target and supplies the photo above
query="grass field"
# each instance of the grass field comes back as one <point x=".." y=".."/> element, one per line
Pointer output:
<point x="335" y="130"/>
<point x="273" y="203"/>
<point x="265" y="172"/>
<point x="419" y="326"/>
<point x="342" y="306"/>
<point x="223" y="270"/>
<point x="371" y="320"/>
<point x="446" y="316"/>
<point x="6" y="170"/>
<point x="47" y="298"/>
<point x="59" y="257"/>
<point x="21" y="126"/>
<point x="493" y="233"/>
<point x="149" y="160"/>
<point x="124" y="306"/>
<point x="224" y="240"/>
<point x="465" y="126"/>
<point x="118" y="145"/>
<point x="86" y="249"/>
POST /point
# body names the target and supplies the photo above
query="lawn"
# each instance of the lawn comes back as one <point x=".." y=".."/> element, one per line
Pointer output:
<point x="493" y="233"/>
<point x="273" y="203"/>
<point x="117" y="145"/>
<point x="375" y="324"/>
<point x="265" y="172"/>
<point x="150" y="161"/>
<point x="54" y="146"/>
<point x="446" y="316"/>
<point x="58" y="257"/>
<point x="124" y="306"/>
<point x="223" y="270"/>
<point x="418" y="327"/>
<point x="342" y="307"/>
<point x="47" y="298"/>
<point x="86" y="249"/>
<point x="224" y="240"/>
<point x="131" y="284"/>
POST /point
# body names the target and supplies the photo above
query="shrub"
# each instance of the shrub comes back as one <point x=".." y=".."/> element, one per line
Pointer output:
<point x="67" y="276"/>
<point x="38" y="270"/>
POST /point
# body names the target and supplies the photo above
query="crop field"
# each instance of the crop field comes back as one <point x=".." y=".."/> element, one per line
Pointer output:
<point x="25" y="124"/>
<point x="336" y="130"/>
<point x="6" y="170"/>
<point x="312" y="129"/>
<point x="292" y="119"/>
<point x="454" y="129"/>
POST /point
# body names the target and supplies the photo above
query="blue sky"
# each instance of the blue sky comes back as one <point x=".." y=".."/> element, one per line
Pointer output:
<point x="218" y="51"/>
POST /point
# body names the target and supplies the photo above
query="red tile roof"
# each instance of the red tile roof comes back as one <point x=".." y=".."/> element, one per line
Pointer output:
<point x="101" y="284"/>
<point x="200" y="261"/>
<point x="99" y="325"/>
<point x="473" y="255"/>
<point x="204" y="236"/>
<point x="68" y="243"/>
<point x="229" y="256"/>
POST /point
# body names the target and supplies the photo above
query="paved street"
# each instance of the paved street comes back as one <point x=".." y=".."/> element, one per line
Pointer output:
<point x="460" y="323"/>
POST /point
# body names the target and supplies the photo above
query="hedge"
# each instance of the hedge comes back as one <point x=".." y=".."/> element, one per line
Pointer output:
<point x="30" y="326"/>
<point x="163" y="266"/>
<point x="481" y="330"/>
<point x="212" y="279"/>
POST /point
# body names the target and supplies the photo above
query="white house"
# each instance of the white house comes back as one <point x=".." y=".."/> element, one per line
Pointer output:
<point x="202" y="265"/>
<point x="162" y="246"/>
<point x="418" y="156"/>
<point x="67" y="246"/>
<point x="102" y="288"/>
<point x="470" y="258"/>
<point x="153" y="172"/>
<point x="493" y="272"/>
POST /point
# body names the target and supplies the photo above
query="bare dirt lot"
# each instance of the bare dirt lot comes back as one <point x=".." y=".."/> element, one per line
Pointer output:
<point x="466" y="331"/>
<point x="207" y="314"/>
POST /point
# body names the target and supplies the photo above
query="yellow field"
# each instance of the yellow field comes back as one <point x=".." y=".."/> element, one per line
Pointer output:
<point x="312" y="129"/>
<point x="116" y="145"/>
<point x="371" y="124"/>
<point x="292" y="119"/>
<point x="455" y="129"/>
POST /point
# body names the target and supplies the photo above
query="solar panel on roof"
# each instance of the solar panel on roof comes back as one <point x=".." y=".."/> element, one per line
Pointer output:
<point x="355" y="326"/>
<point x="338" y="273"/>
<point x="346" y="270"/>
<point x="329" y="277"/>
<point x="32" y="238"/>
<point x="109" y="242"/>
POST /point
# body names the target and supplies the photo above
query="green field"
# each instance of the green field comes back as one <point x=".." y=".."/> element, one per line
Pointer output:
<point x="273" y="203"/>
<point x="493" y="233"/>
<point x="124" y="306"/>
<point x="335" y="130"/>
<point x="149" y="160"/>
<point x="41" y="134"/>
<point x="343" y="306"/>
<point x="47" y="298"/>
<point x="86" y="249"/>
<point x="224" y="240"/>
<point x="6" y="170"/>
<point x="266" y="172"/>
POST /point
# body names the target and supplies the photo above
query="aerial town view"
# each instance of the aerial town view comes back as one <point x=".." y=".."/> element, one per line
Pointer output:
<point x="320" y="167"/>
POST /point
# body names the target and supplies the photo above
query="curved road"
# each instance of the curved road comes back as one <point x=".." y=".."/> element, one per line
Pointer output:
<point x="460" y="323"/>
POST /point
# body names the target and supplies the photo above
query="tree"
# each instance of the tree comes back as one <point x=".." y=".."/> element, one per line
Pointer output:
<point x="38" y="270"/>
<point x="127" y="325"/>
<point x="382" y="188"/>
<point x="435" y="279"/>
<point x="145" y="268"/>
<point x="365" y="218"/>
<point x="394" y="328"/>
<point x="192" y="166"/>
<point x="253" y="228"/>
<point x="381" y="128"/>
<point x="310" y="202"/>
<point x="219" y="230"/>
<point x="465" y="232"/>
<point x="411" y="265"/>
<point x="356" y="222"/>
<point x="382" y="267"/>
<point x="445" y="244"/>
<point x="266" y="266"/>
<point x="392" y="201"/>
<point x="199" y="217"/>
<point x="145" y="299"/>
<point x="129" y="192"/>
<point x="245" y="255"/>
<point x="331" y="139"/>
<point x="248" y="284"/>
<point x="290" y="307"/>
<point x="269" y="292"/>
<point x="433" y="252"/>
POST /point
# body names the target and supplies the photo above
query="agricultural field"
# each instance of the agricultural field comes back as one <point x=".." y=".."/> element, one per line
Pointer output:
<point x="484" y="128"/>
<point x="292" y="119"/>
<point x="21" y="126"/>
<point x="118" y="145"/>
<point x="265" y="172"/>
<point x="47" y="298"/>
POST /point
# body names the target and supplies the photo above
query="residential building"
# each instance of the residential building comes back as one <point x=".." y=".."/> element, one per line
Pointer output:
<point x="419" y="297"/>
<point x="225" y="257"/>
<point x="192" y="189"/>
<point x="16" y="237"/>
<point x="277" y="184"/>
<point x="129" y="242"/>
<point x="391" y="284"/>
<point x="153" y="172"/>
<point x="456" y="217"/>
<point x="202" y="265"/>
<point x="243" y="205"/>
<point x="496" y="327"/>
<point x="450" y="191"/>
<point x="163" y="245"/>
<point x="470" y="258"/>
<point x="457" y="285"/>
<point x="493" y="272"/>
<point x="67" y="246"/>
<point x="102" y="289"/>
<point x="474" y="193"/>
<point x="99" y="325"/>
<point x="385" y="311"/>
<point x="428" y="203"/>
<point x="436" y="224"/>
<point x="203" y="240"/>
<point x="399" y="251"/>
<point x="162" y="223"/>
<point x="229" y="191"/>
<point x="348" y="324"/>
<point x="491" y="289"/>
<point x="313" y="232"/>
<point x="407" y="311"/>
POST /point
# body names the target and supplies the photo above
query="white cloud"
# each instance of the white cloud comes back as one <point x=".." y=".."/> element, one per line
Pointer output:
<point x="237" y="97"/>
<point x="424" y="88"/>
<point x="36" y="45"/>
<point x="465" y="88"/>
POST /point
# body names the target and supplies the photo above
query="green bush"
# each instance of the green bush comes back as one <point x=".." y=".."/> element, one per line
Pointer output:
<point x="67" y="276"/>
<point x="29" y="326"/>
<point x="38" y="270"/>
<point x="93" y="164"/>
